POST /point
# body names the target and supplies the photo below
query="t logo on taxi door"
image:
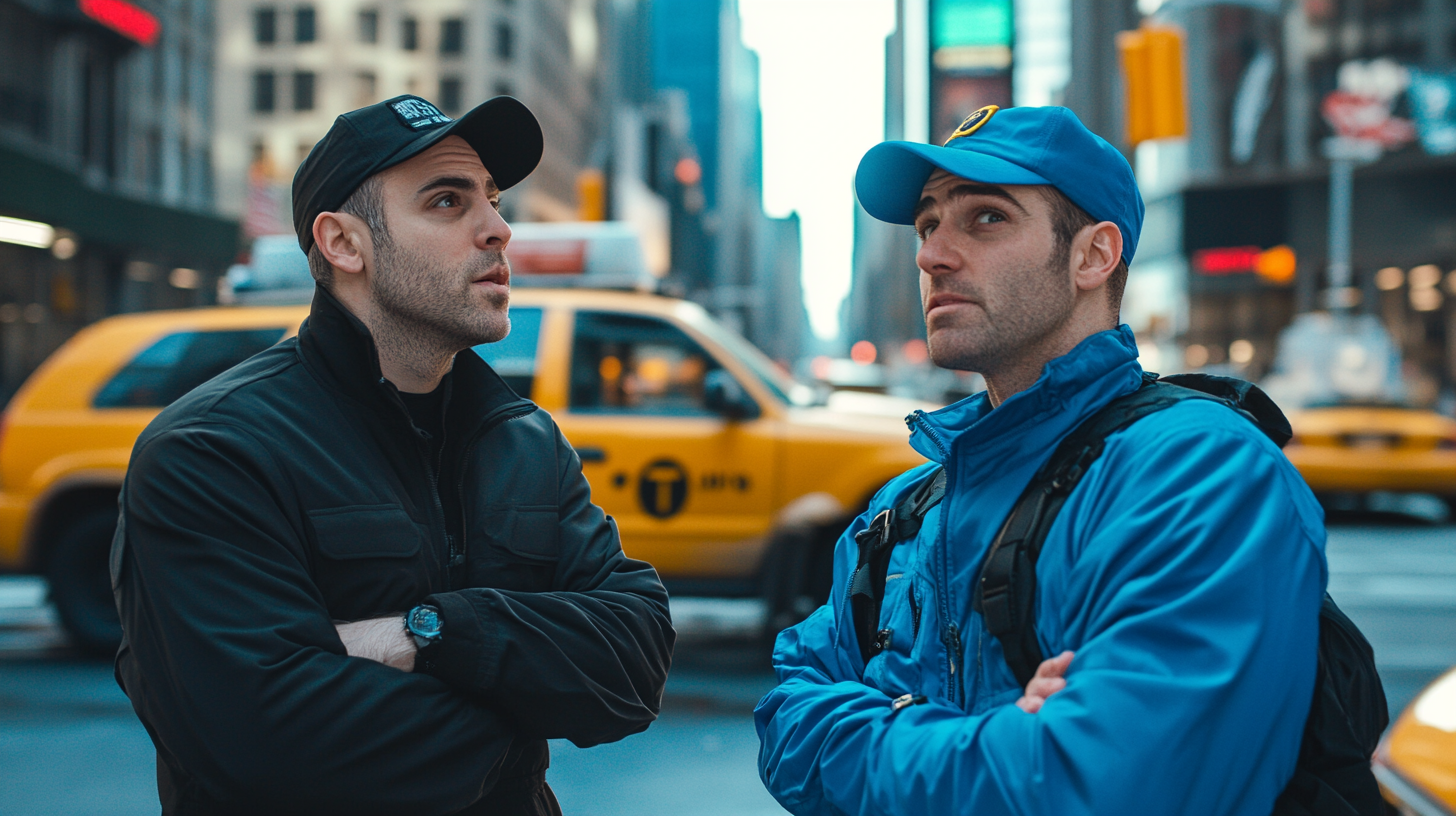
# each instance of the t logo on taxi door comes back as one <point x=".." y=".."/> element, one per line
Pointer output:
<point x="663" y="488"/>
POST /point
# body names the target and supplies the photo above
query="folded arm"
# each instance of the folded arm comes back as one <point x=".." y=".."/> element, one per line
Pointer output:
<point x="1193" y="612"/>
<point x="238" y="670"/>
<point x="586" y="662"/>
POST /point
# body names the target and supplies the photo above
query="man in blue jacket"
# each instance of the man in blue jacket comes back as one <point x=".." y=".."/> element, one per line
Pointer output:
<point x="1179" y="586"/>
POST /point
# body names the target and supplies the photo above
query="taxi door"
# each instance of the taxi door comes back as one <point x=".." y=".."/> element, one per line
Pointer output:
<point x="692" y="492"/>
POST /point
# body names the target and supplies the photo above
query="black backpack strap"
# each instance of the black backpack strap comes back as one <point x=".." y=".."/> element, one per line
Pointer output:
<point x="867" y="586"/>
<point x="1006" y="592"/>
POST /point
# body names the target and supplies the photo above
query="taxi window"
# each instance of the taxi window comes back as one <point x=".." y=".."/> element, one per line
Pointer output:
<point x="625" y="364"/>
<point x="180" y="362"/>
<point x="514" y="358"/>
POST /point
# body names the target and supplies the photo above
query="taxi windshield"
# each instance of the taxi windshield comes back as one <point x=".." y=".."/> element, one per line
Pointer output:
<point x="783" y="386"/>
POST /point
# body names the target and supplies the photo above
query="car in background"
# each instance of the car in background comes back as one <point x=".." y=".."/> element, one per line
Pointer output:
<point x="1339" y="380"/>
<point x="1415" y="763"/>
<point x="1363" y="448"/>
<point x="720" y="471"/>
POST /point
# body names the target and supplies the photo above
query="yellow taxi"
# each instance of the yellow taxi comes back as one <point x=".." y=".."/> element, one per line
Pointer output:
<point x="1355" y="448"/>
<point x="719" y="470"/>
<point x="1415" y="763"/>
<point x="1339" y="378"/>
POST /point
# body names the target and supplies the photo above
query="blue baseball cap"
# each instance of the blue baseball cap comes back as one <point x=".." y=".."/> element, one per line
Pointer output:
<point x="1009" y="146"/>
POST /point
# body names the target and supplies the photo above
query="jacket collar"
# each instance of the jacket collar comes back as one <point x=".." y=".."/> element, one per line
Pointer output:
<point x="1100" y="368"/>
<point x="339" y="348"/>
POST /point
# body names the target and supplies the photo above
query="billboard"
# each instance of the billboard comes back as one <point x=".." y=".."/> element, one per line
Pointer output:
<point x="970" y="59"/>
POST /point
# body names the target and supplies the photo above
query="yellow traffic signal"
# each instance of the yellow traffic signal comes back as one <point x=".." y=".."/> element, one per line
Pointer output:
<point x="591" y="195"/>
<point x="1152" y="71"/>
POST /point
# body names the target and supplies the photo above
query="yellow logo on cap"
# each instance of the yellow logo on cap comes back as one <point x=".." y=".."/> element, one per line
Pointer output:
<point x="973" y="122"/>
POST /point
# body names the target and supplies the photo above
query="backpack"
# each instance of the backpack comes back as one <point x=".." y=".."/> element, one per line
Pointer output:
<point x="1348" y="712"/>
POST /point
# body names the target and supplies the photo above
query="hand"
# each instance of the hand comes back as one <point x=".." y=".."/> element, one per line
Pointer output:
<point x="1047" y="681"/>
<point x="383" y="640"/>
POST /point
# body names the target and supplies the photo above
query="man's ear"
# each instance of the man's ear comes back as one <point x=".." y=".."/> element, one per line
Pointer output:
<point x="1096" y="251"/>
<point x="343" y="240"/>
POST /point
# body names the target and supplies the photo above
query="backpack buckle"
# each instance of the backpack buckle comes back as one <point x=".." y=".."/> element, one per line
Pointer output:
<point x="1075" y="470"/>
<point x="877" y="536"/>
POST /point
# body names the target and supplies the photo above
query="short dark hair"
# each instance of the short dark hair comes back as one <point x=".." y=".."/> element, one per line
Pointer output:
<point x="366" y="203"/>
<point x="1067" y="220"/>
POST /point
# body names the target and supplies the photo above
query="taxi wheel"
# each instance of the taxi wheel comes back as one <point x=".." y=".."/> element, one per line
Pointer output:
<point x="797" y="575"/>
<point x="80" y="581"/>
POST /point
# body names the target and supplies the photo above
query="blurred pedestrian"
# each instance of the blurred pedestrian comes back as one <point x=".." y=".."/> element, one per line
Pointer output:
<point x="1177" y="591"/>
<point x="357" y="573"/>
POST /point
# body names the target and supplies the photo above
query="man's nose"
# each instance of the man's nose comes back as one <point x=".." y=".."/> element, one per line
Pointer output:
<point x="935" y="257"/>
<point x="494" y="232"/>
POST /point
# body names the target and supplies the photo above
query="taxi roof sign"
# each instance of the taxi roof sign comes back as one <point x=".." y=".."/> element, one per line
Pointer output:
<point x="579" y="254"/>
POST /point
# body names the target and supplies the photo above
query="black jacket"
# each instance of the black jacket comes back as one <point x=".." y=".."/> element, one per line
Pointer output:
<point x="294" y="491"/>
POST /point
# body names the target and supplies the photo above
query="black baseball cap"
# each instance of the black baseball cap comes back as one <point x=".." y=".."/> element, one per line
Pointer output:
<point x="365" y="141"/>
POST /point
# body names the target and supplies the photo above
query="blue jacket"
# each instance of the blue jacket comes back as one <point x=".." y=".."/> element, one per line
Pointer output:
<point x="1186" y="572"/>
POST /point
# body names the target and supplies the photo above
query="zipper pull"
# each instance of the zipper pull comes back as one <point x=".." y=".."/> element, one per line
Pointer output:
<point x="955" y="647"/>
<point x="457" y="558"/>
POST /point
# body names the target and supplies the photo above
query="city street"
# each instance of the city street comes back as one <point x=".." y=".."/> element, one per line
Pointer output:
<point x="69" y="744"/>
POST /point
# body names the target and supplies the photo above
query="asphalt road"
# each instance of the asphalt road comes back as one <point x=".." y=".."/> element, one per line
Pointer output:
<point x="70" y="745"/>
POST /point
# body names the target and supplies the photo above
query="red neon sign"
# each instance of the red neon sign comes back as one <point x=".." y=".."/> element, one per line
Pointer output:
<point x="125" y="19"/>
<point x="1226" y="261"/>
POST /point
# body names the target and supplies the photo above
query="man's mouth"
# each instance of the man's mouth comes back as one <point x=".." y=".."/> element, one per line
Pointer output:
<point x="945" y="300"/>
<point x="499" y="275"/>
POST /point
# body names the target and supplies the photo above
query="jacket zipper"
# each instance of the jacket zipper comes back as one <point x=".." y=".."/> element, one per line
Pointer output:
<point x="501" y="415"/>
<point x="914" y="615"/>
<point x="951" y="636"/>
<point x="953" y="649"/>
<point x="440" y="508"/>
<point x="917" y="419"/>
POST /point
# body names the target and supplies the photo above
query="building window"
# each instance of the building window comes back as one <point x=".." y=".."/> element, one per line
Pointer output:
<point x="303" y="82"/>
<point x="265" y="25"/>
<point x="505" y="42"/>
<point x="366" y="88"/>
<point x="450" y="94"/>
<point x="263" y="92"/>
<point x="409" y="34"/>
<point x="369" y="26"/>
<point x="305" y="29"/>
<point x="452" y="36"/>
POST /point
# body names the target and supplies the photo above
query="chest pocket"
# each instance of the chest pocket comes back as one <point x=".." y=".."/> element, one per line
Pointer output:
<point x="522" y="545"/>
<point x="372" y="560"/>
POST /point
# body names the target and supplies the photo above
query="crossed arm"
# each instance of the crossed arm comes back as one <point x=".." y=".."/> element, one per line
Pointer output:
<point x="215" y="585"/>
<point x="1193" y="612"/>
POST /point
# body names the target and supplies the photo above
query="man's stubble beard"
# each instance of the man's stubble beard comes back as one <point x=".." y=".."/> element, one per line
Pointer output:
<point x="426" y="313"/>
<point x="1035" y="304"/>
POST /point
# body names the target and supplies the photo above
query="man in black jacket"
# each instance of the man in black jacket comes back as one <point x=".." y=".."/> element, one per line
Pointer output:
<point x="357" y="573"/>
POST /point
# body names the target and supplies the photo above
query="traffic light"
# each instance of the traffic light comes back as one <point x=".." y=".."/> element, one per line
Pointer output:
<point x="591" y="195"/>
<point x="1152" y="72"/>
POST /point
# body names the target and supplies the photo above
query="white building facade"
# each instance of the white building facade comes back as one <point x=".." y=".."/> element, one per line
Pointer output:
<point x="286" y="69"/>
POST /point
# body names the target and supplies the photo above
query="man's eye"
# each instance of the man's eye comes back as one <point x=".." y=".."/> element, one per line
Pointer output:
<point x="924" y="230"/>
<point x="990" y="217"/>
<point x="446" y="200"/>
<point x="495" y="202"/>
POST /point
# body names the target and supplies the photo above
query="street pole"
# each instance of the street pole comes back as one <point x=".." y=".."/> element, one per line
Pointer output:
<point x="1344" y="155"/>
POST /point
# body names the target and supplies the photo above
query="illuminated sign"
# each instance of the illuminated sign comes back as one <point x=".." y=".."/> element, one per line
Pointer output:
<point x="971" y="22"/>
<point x="971" y="35"/>
<point x="565" y="256"/>
<point x="1275" y="265"/>
<point x="130" y="21"/>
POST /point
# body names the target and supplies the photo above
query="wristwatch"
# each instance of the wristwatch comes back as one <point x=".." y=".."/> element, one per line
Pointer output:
<point x="425" y="623"/>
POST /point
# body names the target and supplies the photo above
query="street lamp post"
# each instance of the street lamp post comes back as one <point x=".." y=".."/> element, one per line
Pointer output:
<point x="1345" y="154"/>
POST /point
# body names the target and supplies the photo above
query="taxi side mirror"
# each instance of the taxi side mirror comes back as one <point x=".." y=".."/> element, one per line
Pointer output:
<point x="723" y="395"/>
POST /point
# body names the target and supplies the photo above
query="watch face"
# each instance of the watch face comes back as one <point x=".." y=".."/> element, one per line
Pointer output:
<point x="425" y="621"/>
